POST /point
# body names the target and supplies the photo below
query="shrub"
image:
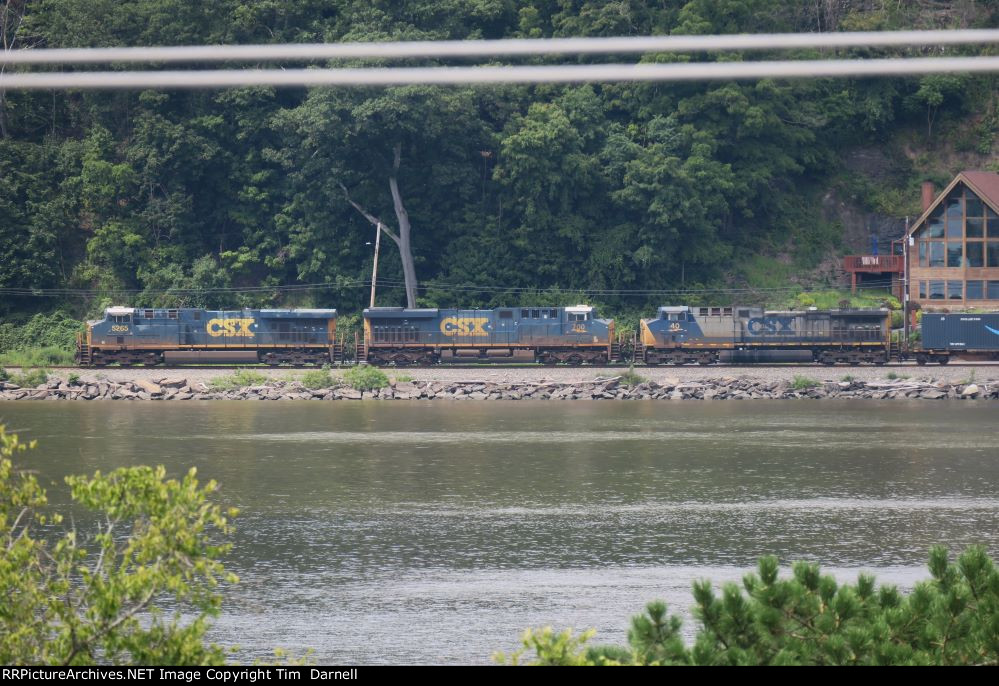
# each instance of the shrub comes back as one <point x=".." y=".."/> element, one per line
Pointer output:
<point x="803" y="383"/>
<point x="241" y="378"/>
<point x="810" y="619"/>
<point x="29" y="378"/>
<point x="365" y="378"/>
<point x="630" y="378"/>
<point x="318" y="378"/>
<point x="402" y="378"/>
<point x="73" y="379"/>
<point x="49" y="356"/>
<point x="3" y="374"/>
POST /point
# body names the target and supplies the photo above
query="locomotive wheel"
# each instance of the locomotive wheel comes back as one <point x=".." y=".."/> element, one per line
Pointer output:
<point x="921" y="360"/>
<point x="943" y="360"/>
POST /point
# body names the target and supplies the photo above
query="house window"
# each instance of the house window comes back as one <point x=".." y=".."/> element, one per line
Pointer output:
<point x="937" y="290"/>
<point x="955" y="216"/>
<point x="955" y="290"/>
<point x="975" y="253"/>
<point x="993" y="253"/>
<point x="974" y="227"/>
<point x="993" y="292"/>
<point x="954" y="253"/>
<point x="936" y="254"/>
<point x="935" y="225"/>
<point x="922" y="253"/>
<point x="974" y="290"/>
<point x="922" y="289"/>
<point x="992" y="220"/>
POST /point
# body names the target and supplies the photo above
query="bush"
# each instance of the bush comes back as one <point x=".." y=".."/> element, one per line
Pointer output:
<point x="241" y="378"/>
<point x="803" y="383"/>
<point x="56" y="330"/>
<point x="318" y="378"/>
<point x="73" y="380"/>
<point x="29" y="378"/>
<point x="49" y="356"/>
<point x="139" y="589"/>
<point x="809" y="619"/>
<point x="630" y="378"/>
<point x="3" y="374"/>
<point x="365" y="378"/>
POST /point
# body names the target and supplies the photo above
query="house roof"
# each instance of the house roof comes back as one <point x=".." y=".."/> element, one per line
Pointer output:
<point x="984" y="184"/>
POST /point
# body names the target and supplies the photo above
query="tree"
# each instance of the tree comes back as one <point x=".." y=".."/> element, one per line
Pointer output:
<point x="77" y="599"/>
<point x="809" y="619"/>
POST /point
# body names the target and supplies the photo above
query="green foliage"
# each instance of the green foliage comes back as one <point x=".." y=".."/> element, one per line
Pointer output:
<point x="318" y="378"/>
<point x="803" y="383"/>
<point x="848" y="378"/>
<point x="30" y="377"/>
<point x="365" y="378"/>
<point x="835" y="299"/>
<point x="4" y="374"/>
<point x="49" y="332"/>
<point x="73" y="379"/>
<point x="50" y="356"/>
<point x="811" y="619"/>
<point x="241" y="378"/>
<point x="631" y="378"/>
<point x="892" y="376"/>
<point x="75" y="598"/>
<point x="402" y="378"/>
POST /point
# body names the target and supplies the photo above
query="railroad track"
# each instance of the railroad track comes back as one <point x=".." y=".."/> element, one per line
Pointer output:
<point x="607" y="368"/>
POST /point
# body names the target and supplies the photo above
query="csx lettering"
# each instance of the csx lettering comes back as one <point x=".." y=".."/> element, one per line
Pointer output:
<point x="465" y="326"/>
<point x="229" y="327"/>
<point x="770" y="325"/>
<point x="119" y="328"/>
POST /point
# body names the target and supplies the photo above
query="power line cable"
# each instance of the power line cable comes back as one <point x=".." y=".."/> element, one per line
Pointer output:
<point x="498" y="48"/>
<point x="697" y="71"/>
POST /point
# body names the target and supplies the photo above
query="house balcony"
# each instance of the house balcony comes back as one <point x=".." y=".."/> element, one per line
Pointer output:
<point x="877" y="264"/>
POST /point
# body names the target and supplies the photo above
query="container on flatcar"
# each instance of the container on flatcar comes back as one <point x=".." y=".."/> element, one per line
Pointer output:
<point x="966" y="335"/>
<point x="684" y="334"/>
<point x="573" y="335"/>
<point x="129" y="335"/>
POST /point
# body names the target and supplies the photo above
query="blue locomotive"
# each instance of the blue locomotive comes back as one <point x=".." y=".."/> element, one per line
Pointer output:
<point x="151" y="336"/>
<point x="969" y="336"/>
<point x="549" y="335"/>
<point x="704" y="335"/>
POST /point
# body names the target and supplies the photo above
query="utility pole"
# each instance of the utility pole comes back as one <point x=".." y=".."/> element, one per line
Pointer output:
<point x="374" y="267"/>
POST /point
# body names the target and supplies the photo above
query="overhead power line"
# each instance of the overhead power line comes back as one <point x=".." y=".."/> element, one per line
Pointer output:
<point x="699" y="71"/>
<point x="498" y="48"/>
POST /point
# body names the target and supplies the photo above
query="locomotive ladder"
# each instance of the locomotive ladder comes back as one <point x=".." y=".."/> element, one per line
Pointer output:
<point x="615" y="350"/>
<point x="360" y="352"/>
<point x="336" y="350"/>
<point x="637" y="349"/>
<point x="83" y="351"/>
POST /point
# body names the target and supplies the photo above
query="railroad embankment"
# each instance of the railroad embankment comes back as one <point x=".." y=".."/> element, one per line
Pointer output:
<point x="181" y="388"/>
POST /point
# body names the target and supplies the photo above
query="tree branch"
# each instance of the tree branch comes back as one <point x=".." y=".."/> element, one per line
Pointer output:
<point x="367" y="215"/>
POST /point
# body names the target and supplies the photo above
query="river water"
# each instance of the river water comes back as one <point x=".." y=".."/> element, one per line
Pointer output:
<point x="435" y="532"/>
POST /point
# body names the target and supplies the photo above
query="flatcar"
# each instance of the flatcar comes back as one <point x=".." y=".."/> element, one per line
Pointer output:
<point x="704" y="335"/>
<point x="572" y="335"/>
<point x="152" y="336"/>
<point x="968" y="336"/>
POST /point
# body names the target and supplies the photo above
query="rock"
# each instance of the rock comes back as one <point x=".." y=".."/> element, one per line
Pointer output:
<point x="175" y="382"/>
<point x="349" y="394"/>
<point x="932" y="394"/>
<point x="148" y="386"/>
<point x="970" y="391"/>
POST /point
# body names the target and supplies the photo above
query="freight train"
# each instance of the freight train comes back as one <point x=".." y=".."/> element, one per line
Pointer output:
<point x="546" y="335"/>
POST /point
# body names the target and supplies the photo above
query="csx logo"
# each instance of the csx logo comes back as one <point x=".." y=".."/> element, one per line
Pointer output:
<point x="229" y="327"/>
<point x="465" y="326"/>
<point x="119" y="328"/>
<point x="761" y="326"/>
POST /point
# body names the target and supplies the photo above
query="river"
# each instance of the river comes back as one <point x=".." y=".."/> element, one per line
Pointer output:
<point x="435" y="532"/>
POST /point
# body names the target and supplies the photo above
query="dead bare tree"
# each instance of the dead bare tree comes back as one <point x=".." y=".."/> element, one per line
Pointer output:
<point x="402" y="239"/>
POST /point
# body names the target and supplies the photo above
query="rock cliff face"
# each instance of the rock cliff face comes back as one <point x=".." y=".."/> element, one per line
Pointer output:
<point x="722" y="388"/>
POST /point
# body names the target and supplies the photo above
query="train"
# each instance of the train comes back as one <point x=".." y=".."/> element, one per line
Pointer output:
<point x="576" y="335"/>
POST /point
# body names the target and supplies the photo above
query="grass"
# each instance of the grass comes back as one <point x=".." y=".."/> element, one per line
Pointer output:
<point x="402" y="378"/>
<point x="318" y="378"/>
<point x="241" y="378"/>
<point x="848" y="378"/>
<point x="630" y="378"/>
<point x="365" y="378"/>
<point x="49" y="356"/>
<point x="803" y="383"/>
<point x="892" y="376"/>
<point x="28" y="378"/>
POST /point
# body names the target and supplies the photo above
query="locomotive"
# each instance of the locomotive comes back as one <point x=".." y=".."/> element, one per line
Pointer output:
<point x="549" y="335"/>
<point x="155" y="336"/>
<point x="705" y="335"/>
